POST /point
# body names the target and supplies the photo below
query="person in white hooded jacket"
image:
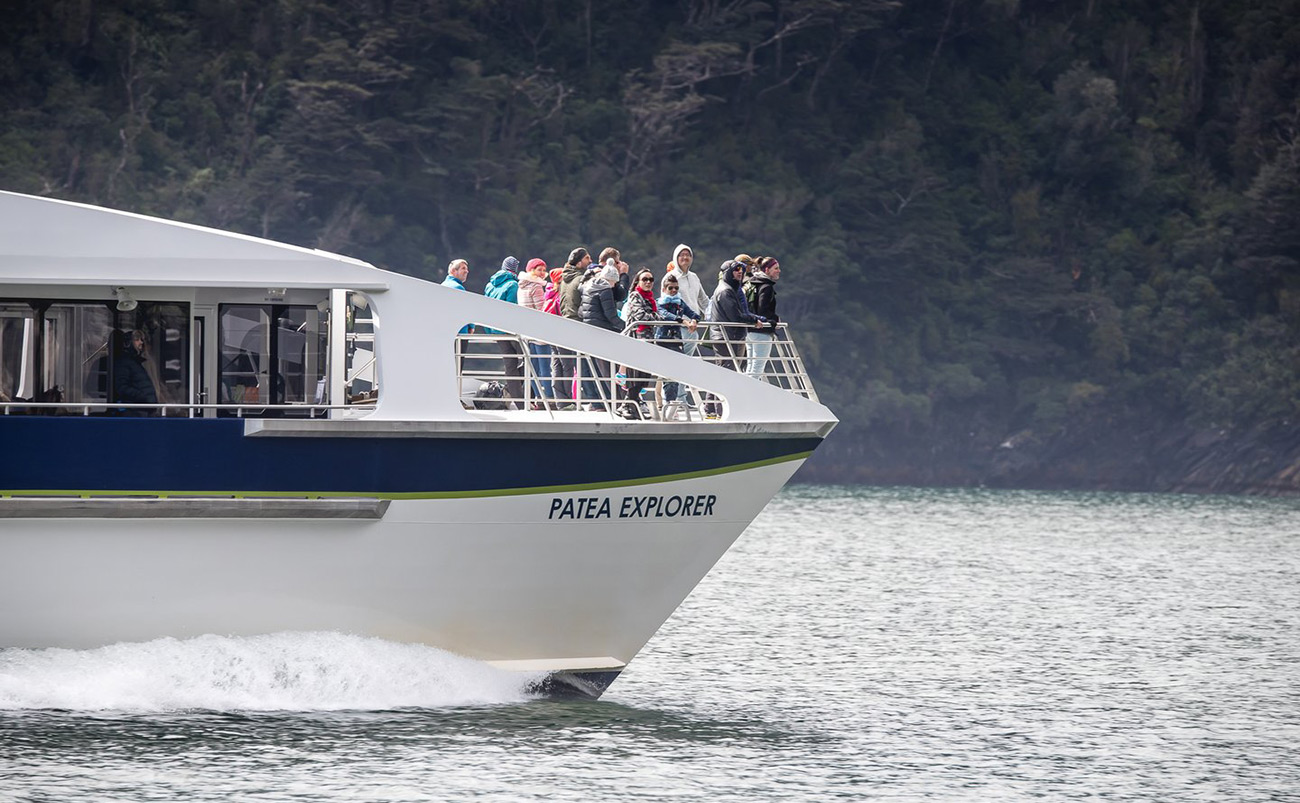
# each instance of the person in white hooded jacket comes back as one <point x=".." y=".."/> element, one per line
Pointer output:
<point x="690" y="290"/>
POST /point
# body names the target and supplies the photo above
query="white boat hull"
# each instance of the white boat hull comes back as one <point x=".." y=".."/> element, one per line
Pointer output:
<point x="529" y="581"/>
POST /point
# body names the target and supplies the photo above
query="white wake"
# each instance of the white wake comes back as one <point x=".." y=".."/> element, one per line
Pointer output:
<point x="279" y="672"/>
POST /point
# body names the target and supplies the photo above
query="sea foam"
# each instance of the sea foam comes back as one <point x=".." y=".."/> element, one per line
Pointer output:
<point x="277" y="672"/>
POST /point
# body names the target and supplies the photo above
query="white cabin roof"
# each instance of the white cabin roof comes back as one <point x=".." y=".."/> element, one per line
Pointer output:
<point x="47" y="241"/>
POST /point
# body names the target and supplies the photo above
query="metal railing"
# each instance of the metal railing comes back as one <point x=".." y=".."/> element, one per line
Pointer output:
<point x="99" y="407"/>
<point x="510" y="372"/>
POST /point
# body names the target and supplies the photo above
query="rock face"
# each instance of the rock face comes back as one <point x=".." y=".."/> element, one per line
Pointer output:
<point x="1264" y="461"/>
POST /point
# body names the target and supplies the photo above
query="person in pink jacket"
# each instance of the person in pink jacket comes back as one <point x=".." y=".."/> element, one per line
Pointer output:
<point x="533" y="282"/>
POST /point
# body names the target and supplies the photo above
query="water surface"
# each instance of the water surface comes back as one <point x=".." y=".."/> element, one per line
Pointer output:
<point x="891" y="644"/>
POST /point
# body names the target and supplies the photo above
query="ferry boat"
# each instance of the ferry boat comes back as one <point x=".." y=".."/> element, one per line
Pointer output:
<point x="207" y="432"/>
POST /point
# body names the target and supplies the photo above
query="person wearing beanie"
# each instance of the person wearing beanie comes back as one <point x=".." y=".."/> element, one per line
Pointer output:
<point x="532" y="284"/>
<point x="504" y="286"/>
<point x="690" y="289"/>
<point x="760" y="293"/>
<point x="532" y="294"/>
<point x="569" y="293"/>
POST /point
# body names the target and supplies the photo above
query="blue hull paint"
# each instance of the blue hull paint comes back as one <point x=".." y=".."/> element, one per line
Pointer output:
<point x="214" y="456"/>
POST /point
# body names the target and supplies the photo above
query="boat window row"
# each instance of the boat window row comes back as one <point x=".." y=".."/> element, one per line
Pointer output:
<point x="153" y="358"/>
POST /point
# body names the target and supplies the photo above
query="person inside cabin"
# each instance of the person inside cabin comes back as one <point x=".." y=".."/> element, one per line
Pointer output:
<point x="760" y="294"/>
<point x="691" y="292"/>
<point x="132" y="383"/>
<point x="504" y="286"/>
<point x="570" y="306"/>
<point x="672" y="307"/>
<point x="599" y="309"/>
<point x="533" y="283"/>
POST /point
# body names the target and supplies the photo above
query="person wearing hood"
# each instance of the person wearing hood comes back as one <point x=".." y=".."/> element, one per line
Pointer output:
<point x="570" y="306"/>
<point x="504" y="286"/>
<point x="729" y="306"/>
<point x="760" y="293"/>
<point x="532" y="294"/>
<point x="599" y="309"/>
<point x="691" y="291"/>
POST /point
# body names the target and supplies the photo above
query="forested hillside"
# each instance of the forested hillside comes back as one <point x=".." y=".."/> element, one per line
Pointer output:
<point x="1035" y="243"/>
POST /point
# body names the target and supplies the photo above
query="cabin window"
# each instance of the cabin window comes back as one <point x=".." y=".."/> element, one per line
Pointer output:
<point x="72" y="352"/>
<point x="272" y="354"/>
<point x="18" y="338"/>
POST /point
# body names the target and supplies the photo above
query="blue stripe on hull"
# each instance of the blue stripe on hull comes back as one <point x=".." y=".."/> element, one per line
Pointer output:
<point x="213" y="456"/>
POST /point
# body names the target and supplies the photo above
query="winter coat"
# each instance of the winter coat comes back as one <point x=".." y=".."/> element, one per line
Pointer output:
<point x="640" y="308"/>
<point x="551" y="299"/>
<point x="504" y="286"/>
<point x="760" y="290"/>
<point x="673" y="308"/>
<point x="598" y="308"/>
<point x="532" y="291"/>
<point x="571" y="292"/>
<point x="729" y="306"/>
<point x="131" y="382"/>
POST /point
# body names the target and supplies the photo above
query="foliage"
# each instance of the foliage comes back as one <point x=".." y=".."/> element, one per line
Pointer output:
<point x="1008" y="213"/>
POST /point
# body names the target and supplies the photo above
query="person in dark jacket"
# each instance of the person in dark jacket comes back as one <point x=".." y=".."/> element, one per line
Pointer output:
<point x="728" y="305"/>
<point x="599" y="309"/>
<point x="131" y="381"/>
<point x="760" y="292"/>
<point x="570" y="300"/>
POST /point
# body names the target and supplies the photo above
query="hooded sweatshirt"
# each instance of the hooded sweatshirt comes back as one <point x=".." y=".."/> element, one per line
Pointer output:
<point x="504" y="285"/>
<point x="691" y="291"/>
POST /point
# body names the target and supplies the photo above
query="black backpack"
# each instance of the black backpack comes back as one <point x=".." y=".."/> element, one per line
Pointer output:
<point x="489" y="396"/>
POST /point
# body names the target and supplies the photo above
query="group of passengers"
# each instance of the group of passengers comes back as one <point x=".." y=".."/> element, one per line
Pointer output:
<point x="742" y="309"/>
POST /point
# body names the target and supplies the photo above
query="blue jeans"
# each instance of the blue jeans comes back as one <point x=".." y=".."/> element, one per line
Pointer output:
<point x="759" y="346"/>
<point x="541" y="361"/>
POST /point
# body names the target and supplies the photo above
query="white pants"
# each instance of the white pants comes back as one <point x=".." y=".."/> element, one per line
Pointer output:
<point x="758" y="346"/>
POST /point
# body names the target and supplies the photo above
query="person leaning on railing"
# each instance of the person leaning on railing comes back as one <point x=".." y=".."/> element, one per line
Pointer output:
<point x="641" y="308"/>
<point x="760" y="293"/>
<point x="673" y="308"/>
<point x="728" y="305"/>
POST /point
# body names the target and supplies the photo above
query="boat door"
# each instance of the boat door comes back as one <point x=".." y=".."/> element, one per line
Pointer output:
<point x="199" y="362"/>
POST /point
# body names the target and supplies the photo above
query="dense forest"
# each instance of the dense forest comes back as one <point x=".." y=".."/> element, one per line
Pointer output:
<point x="1026" y="242"/>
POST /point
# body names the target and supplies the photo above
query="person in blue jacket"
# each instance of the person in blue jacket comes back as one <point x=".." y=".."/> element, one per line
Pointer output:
<point x="504" y="286"/>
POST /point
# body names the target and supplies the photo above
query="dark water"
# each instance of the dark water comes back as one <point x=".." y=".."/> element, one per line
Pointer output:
<point x="857" y="643"/>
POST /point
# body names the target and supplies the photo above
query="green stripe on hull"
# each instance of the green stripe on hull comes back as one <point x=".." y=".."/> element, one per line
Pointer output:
<point x="540" y="489"/>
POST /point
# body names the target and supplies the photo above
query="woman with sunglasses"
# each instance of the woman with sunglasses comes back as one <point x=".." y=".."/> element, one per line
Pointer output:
<point x="641" y="307"/>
